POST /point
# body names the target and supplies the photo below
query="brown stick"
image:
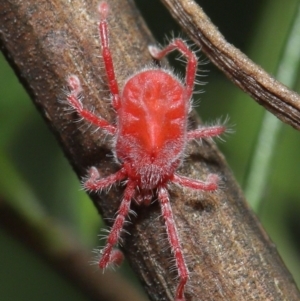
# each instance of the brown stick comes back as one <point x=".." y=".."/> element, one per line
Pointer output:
<point x="271" y="94"/>
<point x="230" y="257"/>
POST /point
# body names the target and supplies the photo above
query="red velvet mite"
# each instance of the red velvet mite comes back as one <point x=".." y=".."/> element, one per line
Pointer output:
<point x="150" y="139"/>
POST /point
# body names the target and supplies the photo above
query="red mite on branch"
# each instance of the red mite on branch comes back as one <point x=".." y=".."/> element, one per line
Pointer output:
<point x="150" y="138"/>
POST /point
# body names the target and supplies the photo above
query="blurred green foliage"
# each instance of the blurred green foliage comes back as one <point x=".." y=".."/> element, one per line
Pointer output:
<point x="34" y="173"/>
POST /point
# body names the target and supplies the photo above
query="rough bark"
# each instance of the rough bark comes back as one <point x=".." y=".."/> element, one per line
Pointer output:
<point x="230" y="257"/>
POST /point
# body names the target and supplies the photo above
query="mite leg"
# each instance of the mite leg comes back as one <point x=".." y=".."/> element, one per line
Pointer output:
<point x="74" y="100"/>
<point x="206" y="132"/>
<point x="94" y="183"/>
<point x="183" y="273"/>
<point x="106" y="55"/>
<point x="191" y="67"/>
<point x="109" y="255"/>
<point x="211" y="184"/>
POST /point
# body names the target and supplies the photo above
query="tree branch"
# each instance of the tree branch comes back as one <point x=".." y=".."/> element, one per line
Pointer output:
<point x="268" y="92"/>
<point x="230" y="256"/>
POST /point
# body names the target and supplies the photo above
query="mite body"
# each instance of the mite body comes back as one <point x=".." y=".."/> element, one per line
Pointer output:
<point x="152" y="127"/>
<point x="150" y="138"/>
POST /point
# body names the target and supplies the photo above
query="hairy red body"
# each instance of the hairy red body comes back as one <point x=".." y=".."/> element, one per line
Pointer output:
<point x="152" y="127"/>
<point x="150" y="139"/>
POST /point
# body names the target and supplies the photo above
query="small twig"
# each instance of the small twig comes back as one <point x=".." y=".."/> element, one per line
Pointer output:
<point x="271" y="94"/>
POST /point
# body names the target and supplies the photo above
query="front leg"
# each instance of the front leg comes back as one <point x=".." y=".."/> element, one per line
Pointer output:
<point x="73" y="99"/>
<point x="191" y="67"/>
